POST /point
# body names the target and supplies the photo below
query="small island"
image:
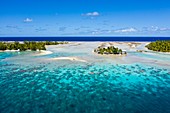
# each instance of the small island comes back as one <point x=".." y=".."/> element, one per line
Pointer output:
<point x="160" y="46"/>
<point x="109" y="50"/>
<point x="26" y="45"/>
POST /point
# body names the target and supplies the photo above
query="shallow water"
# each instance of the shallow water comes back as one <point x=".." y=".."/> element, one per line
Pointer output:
<point x="74" y="87"/>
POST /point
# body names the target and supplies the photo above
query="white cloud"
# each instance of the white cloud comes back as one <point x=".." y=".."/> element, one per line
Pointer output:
<point x="164" y="29"/>
<point x="126" y="30"/>
<point x="62" y="28"/>
<point x="91" y="14"/>
<point x="155" y="29"/>
<point x="28" y="20"/>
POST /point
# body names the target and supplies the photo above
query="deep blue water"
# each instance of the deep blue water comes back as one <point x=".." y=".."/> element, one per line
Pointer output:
<point x="83" y="38"/>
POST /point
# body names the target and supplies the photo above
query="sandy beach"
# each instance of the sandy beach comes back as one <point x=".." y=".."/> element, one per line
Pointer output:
<point x="69" y="58"/>
<point x="43" y="52"/>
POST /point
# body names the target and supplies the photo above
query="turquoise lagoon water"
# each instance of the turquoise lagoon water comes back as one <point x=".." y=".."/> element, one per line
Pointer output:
<point x="75" y="87"/>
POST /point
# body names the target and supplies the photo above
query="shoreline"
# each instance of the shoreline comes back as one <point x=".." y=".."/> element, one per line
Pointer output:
<point x="84" y="52"/>
<point x="10" y="51"/>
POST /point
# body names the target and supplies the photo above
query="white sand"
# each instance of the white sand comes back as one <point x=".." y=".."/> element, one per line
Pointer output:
<point x="10" y="51"/>
<point x="69" y="58"/>
<point x="43" y="52"/>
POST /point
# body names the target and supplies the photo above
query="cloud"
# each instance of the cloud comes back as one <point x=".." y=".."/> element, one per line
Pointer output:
<point x="84" y="27"/>
<point x="155" y="29"/>
<point x="27" y="20"/>
<point x="11" y="26"/>
<point x="62" y="28"/>
<point x="91" y="14"/>
<point x="77" y="29"/>
<point x="126" y="30"/>
<point x="93" y="32"/>
<point x="164" y="29"/>
<point x="40" y="29"/>
<point x="101" y="31"/>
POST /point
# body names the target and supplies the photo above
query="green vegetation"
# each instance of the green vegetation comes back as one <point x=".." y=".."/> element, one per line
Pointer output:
<point x="109" y="50"/>
<point x="54" y="43"/>
<point x="161" y="46"/>
<point x="26" y="45"/>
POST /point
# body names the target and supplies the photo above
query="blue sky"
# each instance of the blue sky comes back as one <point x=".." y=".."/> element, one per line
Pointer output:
<point x="84" y="18"/>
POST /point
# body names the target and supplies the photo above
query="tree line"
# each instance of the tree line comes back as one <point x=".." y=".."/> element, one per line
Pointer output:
<point x="27" y="45"/>
<point x="160" y="46"/>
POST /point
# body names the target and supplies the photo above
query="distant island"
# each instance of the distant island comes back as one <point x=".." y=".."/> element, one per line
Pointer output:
<point x="109" y="50"/>
<point x="160" y="46"/>
<point x="27" y="45"/>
